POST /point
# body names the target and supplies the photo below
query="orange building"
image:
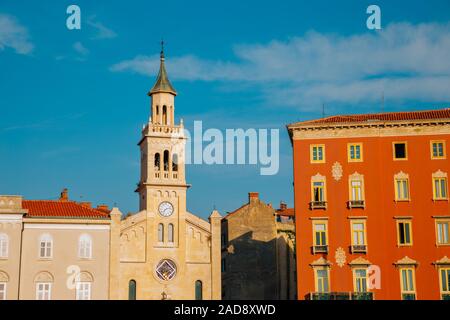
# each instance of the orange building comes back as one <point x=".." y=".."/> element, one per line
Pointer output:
<point x="372" y="206"/>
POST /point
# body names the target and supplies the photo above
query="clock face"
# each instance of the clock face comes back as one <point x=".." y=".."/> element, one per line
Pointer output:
<point x="165" y="209"/>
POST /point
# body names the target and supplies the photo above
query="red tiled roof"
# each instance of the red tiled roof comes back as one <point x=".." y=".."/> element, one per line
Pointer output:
<point x="67" y="209"/>
<point x="288" y="212"/>
<point x="388" y="116"/>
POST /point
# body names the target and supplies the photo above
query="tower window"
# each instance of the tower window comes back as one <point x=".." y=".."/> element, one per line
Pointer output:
<point x="164" y="114"/>
<point x="174" y="162"/>
<point x="157" y="161"/>
<point x="160" y="232"/>
<point x="170" y="233"/>
<point x="166" y="160"/>
<point x="132" y="290"/>
<point x="198" y="290"/>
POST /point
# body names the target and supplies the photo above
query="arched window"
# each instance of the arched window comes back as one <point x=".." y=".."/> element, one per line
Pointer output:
<point x="164" y="114"/>
<point x="166" y="160"/>
<point x="174" y="162"/>
<point x="132" y="290"/>
<point x="85" y="246"/>
<point x="46" y="246"/>
<point x="198" y="290"/>
<point x="170" y="232"/>
<point x="83" y="286"/>
<point x="4" y="244"/>
<point x="157" y="162"/>
<point x="160" y="232"/>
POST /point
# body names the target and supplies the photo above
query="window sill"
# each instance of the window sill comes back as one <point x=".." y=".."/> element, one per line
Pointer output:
<point x="440" y="199"/>
<point x="402" y="200"/>
<point x="85" y="259"/>
<point x="45" y="259"/>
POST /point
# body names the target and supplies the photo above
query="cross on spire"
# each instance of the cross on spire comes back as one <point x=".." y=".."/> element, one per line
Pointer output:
<point x="162" y="48"/>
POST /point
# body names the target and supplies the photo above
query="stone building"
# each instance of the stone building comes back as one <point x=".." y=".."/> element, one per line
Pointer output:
<point x="258" y="254"/>
<point x="56" y="250"/>
<point x="166" y="252"/>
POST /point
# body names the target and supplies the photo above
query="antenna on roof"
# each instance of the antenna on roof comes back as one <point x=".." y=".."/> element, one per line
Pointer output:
<point x="323" y="110"/>
<point x="382" y="102"/>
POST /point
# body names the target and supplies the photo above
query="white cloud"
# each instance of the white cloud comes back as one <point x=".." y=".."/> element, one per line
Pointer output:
<point x="80" y="48"/>
<point x="14" y="35"/>
<point x="102" y="31"/>
<point x="407" y="62"/>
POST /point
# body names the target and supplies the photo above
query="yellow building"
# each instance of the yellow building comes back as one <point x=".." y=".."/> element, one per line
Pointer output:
<point x="165" y="251"/>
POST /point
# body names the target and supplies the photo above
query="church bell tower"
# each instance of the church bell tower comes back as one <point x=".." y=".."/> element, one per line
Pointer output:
<point x="162" y="186"/>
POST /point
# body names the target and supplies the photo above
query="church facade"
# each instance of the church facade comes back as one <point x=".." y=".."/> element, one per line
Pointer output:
<point x="164" y="251"/>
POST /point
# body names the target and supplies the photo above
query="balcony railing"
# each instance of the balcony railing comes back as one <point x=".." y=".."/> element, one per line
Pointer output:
<point x="445" y="296"/>
<point x="356" y="204"/>
<point x="166" y="175"/>
<point x="409" y="296"/>
<point x="318" y="205"/>
<point x="340" y="296"/>
<point x="360" y="248"/>
<point x="320" y="249"/>
<point x="362" y="295"/>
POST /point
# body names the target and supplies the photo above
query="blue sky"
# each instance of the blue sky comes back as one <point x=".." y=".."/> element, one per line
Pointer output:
<point x="73" y="102"/>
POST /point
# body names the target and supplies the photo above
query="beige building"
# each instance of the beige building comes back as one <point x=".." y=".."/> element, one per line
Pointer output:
<point x="258" y="252"/>
<point x="53" y="249"/>
<point x="166" y="252"/>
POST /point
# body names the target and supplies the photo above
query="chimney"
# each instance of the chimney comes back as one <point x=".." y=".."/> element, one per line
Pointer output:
<point x="86" y="204"/>
<point x="64" y="195"/>
<point x="253" y="196"/>
<point x="283" y="206"/>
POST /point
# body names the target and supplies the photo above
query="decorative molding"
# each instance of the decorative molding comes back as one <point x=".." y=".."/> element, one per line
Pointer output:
<point x="318" y="177"/>
<point x="401" y="175"/>
<point x="321" y="262"/>
<point x="406" y="261"/>
<point x="439" y="174"/>
<point x="360" y="261"/>
<point x="340" y="257"/>
<point x="337" y="171"/>
<point x="444" y="261"/>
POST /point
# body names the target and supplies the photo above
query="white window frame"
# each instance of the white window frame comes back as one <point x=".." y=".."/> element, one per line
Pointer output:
<point x="4" y="246"/>
<point x="83" y="290"/>
<point x="3" y="290"/>
<point x="85" y="246"/>
<point x="43" y="291"/>
<point x="47" y="240"/>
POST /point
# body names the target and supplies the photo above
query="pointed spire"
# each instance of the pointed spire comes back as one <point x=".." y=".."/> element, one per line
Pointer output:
<point x="162" y="83"/>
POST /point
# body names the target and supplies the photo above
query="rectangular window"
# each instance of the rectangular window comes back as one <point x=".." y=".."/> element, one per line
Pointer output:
<point x="442" y="232"/>
<point x="2" y="290"/>
<point x="438" y="150"/>
<point x="320" y="234"/>
<point x="43" y="291"/>
<point x="317" y="153"/>
<point x="401" y="189"/>
<point x="357" y="194"/>
<point x="360" y="280"/>
<point x="83" y="291"/>
<point x="318" y="191"/>
<point x="440" y="188"/>
<point x="355" y="152"/>
<point x="407" y="283"/>
<point x="400" y="151"/>
<point x="358" y="233"/>
<point x="322" y="281"/>
<point x="404" y="233"/>
<point x="444" y="276"/>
